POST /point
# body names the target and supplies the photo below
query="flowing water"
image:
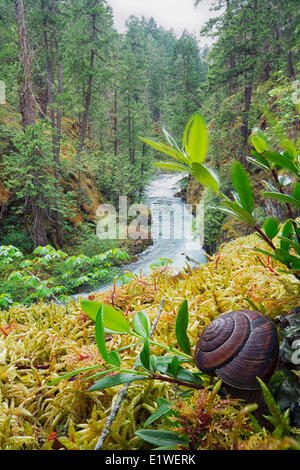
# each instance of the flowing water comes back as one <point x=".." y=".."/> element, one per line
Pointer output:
<point x="172" y="229"/>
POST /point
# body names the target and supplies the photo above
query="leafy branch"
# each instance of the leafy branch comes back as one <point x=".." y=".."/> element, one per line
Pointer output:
<point x="191" y="157"/>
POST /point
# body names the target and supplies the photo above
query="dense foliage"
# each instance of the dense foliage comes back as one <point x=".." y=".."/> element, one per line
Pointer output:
<point x="85" y="94"/>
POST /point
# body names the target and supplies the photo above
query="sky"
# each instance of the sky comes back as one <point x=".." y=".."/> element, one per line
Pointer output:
<point x="171" y="14"/>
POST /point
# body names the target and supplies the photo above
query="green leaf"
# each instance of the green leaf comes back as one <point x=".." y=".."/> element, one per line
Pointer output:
<point x="195" y="139"/>
<point x="291" y="243"/>
<point x="295" y="263"/>
<point x="182" y="322"/>
<point x="282" y="255"/>
<point x="239" y="212"/>
<point x="164" y="407"/>
<point x="145" y="355"/>
<point x="77" y="372"/>
<point x="271" y="227"/>
<point x="141" y="324"/>
<point x="273" y="407"/>
<point x="282" y="161"/>
<point x="114" y="359"/>
<point x="114" y="380"/>
<point x="173" y="166"/>
<point x="100" y="335"/>
<point x="242" y="185"/>
<point x="161" y="438"/>
<point x="267" y="253"/>
<point x="174" y="366"/>
<point x="205" y="176"/>
<point x="296" y="192"/>
<point x="256" y="162"/>
<point x="114" y="320"/>
<point x="181" y="373"/>
<point x="259" y="159"/>
<point x="287" y="232"/>
<point x="290" y="147"/>
<point x="282" y="198"/>
<point x="170" y="139"/>
<point x="166" y="149"/>
<point x="153" y="362"/>
<point x="259" y="144"/>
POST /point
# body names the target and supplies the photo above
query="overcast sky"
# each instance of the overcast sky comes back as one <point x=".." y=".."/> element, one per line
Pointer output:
<point x="171" y="14"/>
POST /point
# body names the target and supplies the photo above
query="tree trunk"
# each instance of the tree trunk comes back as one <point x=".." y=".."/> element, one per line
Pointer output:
<point x="39" y="228"/>
<point x="248" y="93"/>
<point x="245" y="126"/>
<point x="87" y="102"/>
<point x="115" y="123"/>
<point x="27" y="108"/>
<point x="27" y="100"/>
<point x="55" y="124"/>
<point x="291" y="65"/>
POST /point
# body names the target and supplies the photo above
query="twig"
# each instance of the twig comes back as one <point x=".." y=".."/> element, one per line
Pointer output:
<point x="123" y="392"/>
<point x="176" y="381"/>
<point x="36" y="366"/>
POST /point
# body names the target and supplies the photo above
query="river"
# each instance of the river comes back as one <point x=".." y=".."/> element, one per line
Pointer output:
<point x="172" y="229"/>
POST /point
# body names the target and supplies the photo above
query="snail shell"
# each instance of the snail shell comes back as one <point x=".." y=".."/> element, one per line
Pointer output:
<point x="239" y="346"/>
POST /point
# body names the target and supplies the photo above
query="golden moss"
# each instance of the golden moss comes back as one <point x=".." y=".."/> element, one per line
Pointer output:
<point x="41" y="342"/>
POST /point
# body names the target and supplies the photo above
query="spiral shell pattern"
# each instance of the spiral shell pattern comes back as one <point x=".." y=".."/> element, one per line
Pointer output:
<point x="239" y="346"/>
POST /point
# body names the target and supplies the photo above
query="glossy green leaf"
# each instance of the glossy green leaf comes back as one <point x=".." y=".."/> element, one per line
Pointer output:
<point x="195" y="139"/>
<point x="257" y="163"/>
<point x="161" y="438"/>
<point x="296" y="191"/>
<point x="290" y="148"/>
<point x="282" y="255"/>
<point x="205" y="176"/>
<point x="260" y="159"/>
<point x="271" y="227"/>
<point x="182" y="322"/>
<point x="166" y="149"/>
<point x="100" y="334"/>
<point x="239" y="212"/>
<point x="264" y="252"/>
<point x="163" y="409"/>
<point x="295" y="263"/>
<point x="241" y="184"/>
<point x="114" y="359"/>
<point x="174" y="366"/>
<point x="114" y="320"/>
<point x="171" y="140"/>
<point x="145" y="355"/>
<point x="282" y="198"/>
<point x="153" y="362"/>
<point x="114" y="380"/>
<point x="141" y="324"/>
<point x="292" y="243"/>
<point x="282" y="161"/>
<point x="259" y="144"/>
<point x="173" y="166"/>
<point x="287" y="232"/>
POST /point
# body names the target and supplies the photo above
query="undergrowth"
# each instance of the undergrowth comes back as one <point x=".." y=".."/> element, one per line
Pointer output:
<point x="41" y="342"/>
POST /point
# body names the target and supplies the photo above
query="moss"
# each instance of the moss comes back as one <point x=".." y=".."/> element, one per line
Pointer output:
<point x="41" y="342"/>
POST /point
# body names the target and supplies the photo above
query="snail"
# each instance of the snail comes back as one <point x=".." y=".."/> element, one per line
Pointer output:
<point x="239" y="346"/>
